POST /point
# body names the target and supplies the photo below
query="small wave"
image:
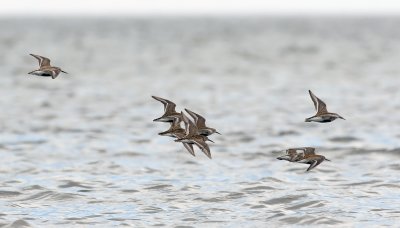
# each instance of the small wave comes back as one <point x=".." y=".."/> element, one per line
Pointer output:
<point x="388" y="185"/>
<point x="363" y="183"/>
<point x="257" y="207"/>
<point x="9" y="193"/>
<point x="160" y="186"/>
<point x="234" y="195"/>
<point x="294" y="219"/>
<point x="289" y="132"/>
<point x="51" y="196"/>
<point x="20" y="223"/>
<point x="306" y="204"/>
<point x="322" y="221"/>
<point x="129" y="191"/>
<point x="284" y="200"/>
<point x="189" y="219"/>
<point x="258" y="188"/>
<point x="344" y="139"/>
<point x="152" y="210"/>
<point x="211" y="200"/>
<point x="71" y="184"/>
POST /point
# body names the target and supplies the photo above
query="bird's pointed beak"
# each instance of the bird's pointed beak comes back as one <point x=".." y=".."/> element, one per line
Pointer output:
<point x="218" y="133"/>
<point x="307" y="120"/>
<point x="342" y="118"/>
<point x="64" y="72"/>
<point x="284" y="157"/>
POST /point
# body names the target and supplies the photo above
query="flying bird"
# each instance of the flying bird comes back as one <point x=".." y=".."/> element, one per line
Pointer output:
<point x="45" y="69"/>
<point x="306" y="155"/>
<point x="201" y="124"/>
<point x="169" y="111"/>
<point x="322" y="115"/>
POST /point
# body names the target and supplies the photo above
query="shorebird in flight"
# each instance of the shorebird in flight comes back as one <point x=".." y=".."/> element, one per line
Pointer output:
<point x="192" y="136"/>
<point x="313" y="160"/>
<point x="322" y="116"/>
<point x="306" y="156"/>
<point x="169" y="111"/>
<point x="201" y="124"/>
<point x="45" y="69"/>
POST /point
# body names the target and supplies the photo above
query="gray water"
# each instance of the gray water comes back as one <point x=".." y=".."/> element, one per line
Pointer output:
<point x="82" y="150"/>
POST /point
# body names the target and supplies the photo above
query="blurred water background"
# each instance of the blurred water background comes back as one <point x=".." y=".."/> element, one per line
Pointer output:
<point x="82" y="150"/>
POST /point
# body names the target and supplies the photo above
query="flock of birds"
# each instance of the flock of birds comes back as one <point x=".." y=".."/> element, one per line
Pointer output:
<point x="196" y="133"/>
<point x="307" y="155"/>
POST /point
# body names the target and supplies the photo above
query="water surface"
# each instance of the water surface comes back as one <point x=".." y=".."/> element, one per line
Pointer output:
<point x="82" y="150"/>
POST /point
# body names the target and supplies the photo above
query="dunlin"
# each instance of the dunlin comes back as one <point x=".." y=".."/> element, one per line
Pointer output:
<point x="201" y="124"/>
<point x="192" y="136"/>
<point x="312" y="160"/>
<point x="322" y="116"/>
<point x="306" y="156"/>
<point x="175" y="131"/>
<point x="45" y="69"/>
<point x="169" y="111"/>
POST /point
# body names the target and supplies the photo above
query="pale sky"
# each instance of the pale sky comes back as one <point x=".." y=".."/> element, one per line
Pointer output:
<point x="195" y="7"/>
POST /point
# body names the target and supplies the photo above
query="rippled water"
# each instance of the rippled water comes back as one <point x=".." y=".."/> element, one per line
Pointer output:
<point x="83" y="150"/>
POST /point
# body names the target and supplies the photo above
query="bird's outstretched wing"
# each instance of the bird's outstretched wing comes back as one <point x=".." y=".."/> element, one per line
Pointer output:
<point x="198" y="119"/>
<point x="190" y="128"/>
<point x="43" y="61"/>
<point x="169" y="106"/>
<point x="189" y="148"/>
<point x="203" y="147"/>
<point x="315" y="162"/>
<point x="319" y="105"/>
